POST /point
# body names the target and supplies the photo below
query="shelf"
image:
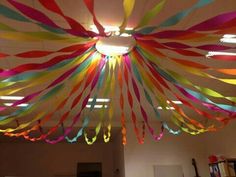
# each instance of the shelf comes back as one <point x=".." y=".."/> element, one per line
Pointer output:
<point x="226" y="167"/>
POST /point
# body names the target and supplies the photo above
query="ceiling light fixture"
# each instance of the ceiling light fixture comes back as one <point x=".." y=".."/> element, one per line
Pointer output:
<point x="168" y="108"/>
<point x="213" y="53"/>
<point x="228" y="38"/>
<point x="11" y="97"/>
<point x="175" y="102"/>
<point x="97" y="106"/>
<point x="106" y="100"/>
<point x="115" y="45"/>
<point x="20" y="105"/>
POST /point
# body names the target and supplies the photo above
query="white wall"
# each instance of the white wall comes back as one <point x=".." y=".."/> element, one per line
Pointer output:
<point x="178" y="150"/>
<point x="44" y="160"/>
<point x="171" y="150"/>
<point x="118" y="156"/>
<point x="222" y="142"/>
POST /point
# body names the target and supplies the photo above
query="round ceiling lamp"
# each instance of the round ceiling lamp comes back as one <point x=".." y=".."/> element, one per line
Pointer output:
<point x="115" y="45"/>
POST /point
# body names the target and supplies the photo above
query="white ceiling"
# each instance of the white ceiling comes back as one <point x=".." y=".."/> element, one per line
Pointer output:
<point x="110" y="12"/>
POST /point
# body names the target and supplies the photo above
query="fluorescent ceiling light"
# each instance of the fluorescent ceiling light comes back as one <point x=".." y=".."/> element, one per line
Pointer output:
<point x="104" y="100"/>
<point x="97" y="106"/>
<point x="213" y="53"/>
<point x="168" y="108"/>
<point x="175" y="102"/>
<point x="20" y="105"/>
<point x="228" y="38"/>
<point x="11" y="97"/>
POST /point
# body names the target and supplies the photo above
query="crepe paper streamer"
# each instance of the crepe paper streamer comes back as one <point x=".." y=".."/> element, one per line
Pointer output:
<point x="37" y="77"/>
<point x="220" y="22"/>
<point x="77" y="117"/>
<point x="147" y="95"/>
<point x="3" y="55"/>
<point x="193" y="124"/>
<point x="109" y="87"/>
<point x="200" y="112"/>
<point x="194" y="68"/>
<point x="4" y="27"/>
<point x="128" y="8"/>
<point x="150" y="14"/>
<point x="175" y="34"/>
<point x="76" y="28"/>
<point x="121" y="99"/>
<point x="25" y="110"/>
<point x="206" y="91"/>
<point x="90" y="141"/>
<point x="65" y="116"/>
<point x="197" y="72"/>
<point x="161" y="102"/>
<point x="184" y="52"/>
<point x="29" y="109"/>
<point x="141" y="71"/>
<point x="40" y="66"/>
<point x="200" y="96"/>
<point x="90" y="6"/>
<point x="80" y="132"/>
<point x="111" y="90"/>
<point x="173" y="20"/>
<point x="97" y="130"/>
<point x="9" y="13"/>
<point x="38" y="36"/>
<point x="215" y="23"/>
<point x="40" y="53"/>
<point x="202" y="47"/>
<point x="133" y="115"/>
<point x="143" y="112"/>
<point x="227" y="71"/>
<point x="42" y="18"/>
<point x="98" y="127"/>
<point x="60" y="106"/>
<point x="55" y="82"/>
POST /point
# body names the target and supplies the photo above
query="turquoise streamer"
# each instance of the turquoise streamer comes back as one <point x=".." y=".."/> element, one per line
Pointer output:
<point x="31" y="106"/>
<point x="205" y="99"/>
<point x="173" y="20"/>
<point x="27" y="108"/>
<point x="193" y="93"/>
<point x="87" y="118"/>
<point x="148" y="98"/>
<point x="9" y="13"/>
